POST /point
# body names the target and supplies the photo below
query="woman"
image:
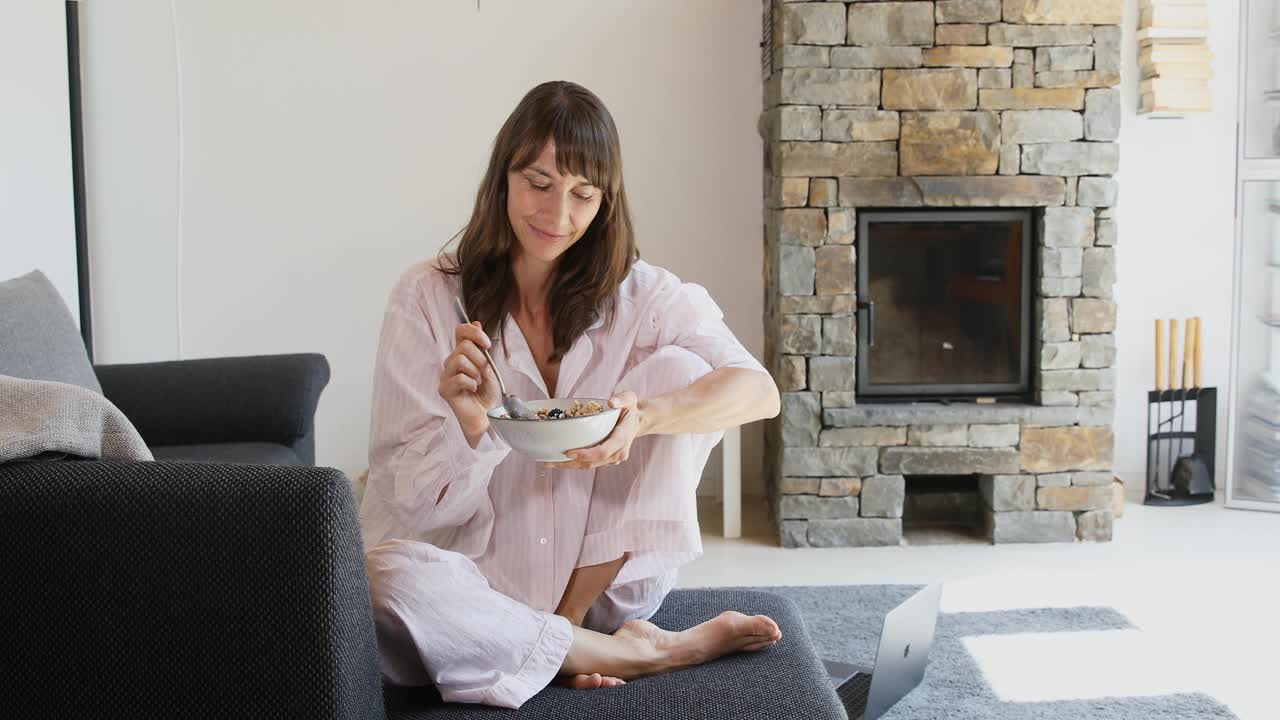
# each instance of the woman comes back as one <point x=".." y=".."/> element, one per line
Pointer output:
<point x="492" y="575"/>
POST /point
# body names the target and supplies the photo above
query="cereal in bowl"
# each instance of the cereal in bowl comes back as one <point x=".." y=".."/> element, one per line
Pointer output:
<point x="577" y="409"/>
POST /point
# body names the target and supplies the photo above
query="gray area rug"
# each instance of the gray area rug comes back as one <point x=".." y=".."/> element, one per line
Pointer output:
<point x="844" y="623"/>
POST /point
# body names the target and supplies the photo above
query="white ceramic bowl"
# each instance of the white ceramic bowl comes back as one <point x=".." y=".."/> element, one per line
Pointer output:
<point x="547" y="440"/>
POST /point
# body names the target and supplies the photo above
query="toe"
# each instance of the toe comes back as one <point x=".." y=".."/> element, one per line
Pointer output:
<point x="762" y="626"/>
<point x="584" y="682"/>
<point x="769" y="623"/>
<point x="748" y="624"/>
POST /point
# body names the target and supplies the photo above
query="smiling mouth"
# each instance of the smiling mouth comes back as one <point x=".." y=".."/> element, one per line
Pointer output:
<point x="546" y="235"/>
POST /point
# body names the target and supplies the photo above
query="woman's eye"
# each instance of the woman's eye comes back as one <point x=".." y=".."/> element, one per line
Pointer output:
<point x="544" y="188"/>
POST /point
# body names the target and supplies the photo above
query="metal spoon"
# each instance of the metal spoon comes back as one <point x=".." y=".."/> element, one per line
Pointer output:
<point x="515" y="406"/>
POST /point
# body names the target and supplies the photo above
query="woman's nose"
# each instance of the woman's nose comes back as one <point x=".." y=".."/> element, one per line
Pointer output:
<point x="556" y="211"/>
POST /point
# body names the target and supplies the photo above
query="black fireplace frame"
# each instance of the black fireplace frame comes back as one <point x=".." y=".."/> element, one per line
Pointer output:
<point x="867" y="391"/>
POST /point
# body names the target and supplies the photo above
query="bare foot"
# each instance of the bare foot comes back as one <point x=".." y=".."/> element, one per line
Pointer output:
<point x="728" y="632"/>
<point x="592" y="681"/>
<point x="640" y="648"/>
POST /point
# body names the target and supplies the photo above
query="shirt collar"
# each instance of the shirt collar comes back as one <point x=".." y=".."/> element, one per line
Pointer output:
<point x="572" y="365"/>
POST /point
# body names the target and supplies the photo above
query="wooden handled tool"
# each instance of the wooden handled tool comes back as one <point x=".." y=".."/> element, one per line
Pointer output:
<point x="1189" y="355"/>
<point x="1175" y="376"/>
<point x="1199" y="358"/>
<point x="1160" y="386"/>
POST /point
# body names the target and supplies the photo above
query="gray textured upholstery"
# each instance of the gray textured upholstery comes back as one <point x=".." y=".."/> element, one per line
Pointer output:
<point x="258" y="453"/>
<point x="39" y="339"/>
<point x="183" y="590"/>
<point x="784" y="682"/>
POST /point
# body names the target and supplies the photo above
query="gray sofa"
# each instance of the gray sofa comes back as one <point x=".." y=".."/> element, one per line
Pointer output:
<point x="210" y="589"/>
<point x="198" y="590"/>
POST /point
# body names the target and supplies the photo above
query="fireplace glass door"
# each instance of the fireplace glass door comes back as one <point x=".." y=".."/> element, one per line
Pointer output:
<point x="943" y="303"/>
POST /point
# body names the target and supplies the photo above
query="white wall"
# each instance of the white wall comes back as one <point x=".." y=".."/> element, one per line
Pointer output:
<point x="37" y="202"/>
<point x="1175" y="248"/>
<point x="326" y="146"/>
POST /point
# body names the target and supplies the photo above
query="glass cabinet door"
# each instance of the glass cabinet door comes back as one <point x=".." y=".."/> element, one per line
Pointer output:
<point x="1254" y="478"/>
<point x="1260" y="34"/>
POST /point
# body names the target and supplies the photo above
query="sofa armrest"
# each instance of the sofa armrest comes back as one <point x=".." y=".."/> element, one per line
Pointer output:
<point x="264" y="398"/>
<point x="183" y="590"/>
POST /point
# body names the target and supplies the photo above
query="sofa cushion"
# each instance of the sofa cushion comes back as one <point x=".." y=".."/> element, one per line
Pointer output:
<point x="39" y="339"/>
<point x="784" y="681"/>
<point x="252" y="453"/>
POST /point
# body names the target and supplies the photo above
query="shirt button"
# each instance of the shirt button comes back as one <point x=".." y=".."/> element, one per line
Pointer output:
<point x="543" y="541"/>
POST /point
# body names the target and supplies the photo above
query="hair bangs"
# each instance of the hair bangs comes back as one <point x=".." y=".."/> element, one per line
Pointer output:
<point x="583" y="148"/>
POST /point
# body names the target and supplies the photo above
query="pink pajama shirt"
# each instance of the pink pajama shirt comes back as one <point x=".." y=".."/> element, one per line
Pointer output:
<point x="464" y="590"/>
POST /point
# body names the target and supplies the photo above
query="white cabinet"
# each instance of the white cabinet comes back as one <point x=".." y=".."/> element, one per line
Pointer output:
<point x="1253" y="437"/>
<point x="1254" y="466"/>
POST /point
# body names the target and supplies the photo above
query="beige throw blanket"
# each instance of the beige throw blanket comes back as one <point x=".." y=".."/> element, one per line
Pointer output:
<point x="46" y="420"/>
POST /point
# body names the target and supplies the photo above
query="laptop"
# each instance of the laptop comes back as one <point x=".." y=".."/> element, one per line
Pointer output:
<point x="900" y="660"/>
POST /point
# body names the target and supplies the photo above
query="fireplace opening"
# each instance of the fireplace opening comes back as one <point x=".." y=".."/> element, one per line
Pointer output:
<point x="942" y="509"/>
<point x="944" y="300"/>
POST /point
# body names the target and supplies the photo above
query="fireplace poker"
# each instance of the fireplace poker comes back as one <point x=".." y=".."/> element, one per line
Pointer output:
<point x="1154" y="470"/>
<point x="1175" y="385"/>
<point x="1188" y="357"/>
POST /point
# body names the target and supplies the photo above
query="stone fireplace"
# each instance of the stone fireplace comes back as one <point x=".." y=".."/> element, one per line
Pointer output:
<point x="963" y="151"/>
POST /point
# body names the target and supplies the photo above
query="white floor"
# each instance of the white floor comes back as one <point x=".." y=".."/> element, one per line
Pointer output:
<point x="1201" y="584"/>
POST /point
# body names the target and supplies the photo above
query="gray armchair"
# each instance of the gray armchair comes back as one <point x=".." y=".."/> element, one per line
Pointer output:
<point x="256" y="409"/>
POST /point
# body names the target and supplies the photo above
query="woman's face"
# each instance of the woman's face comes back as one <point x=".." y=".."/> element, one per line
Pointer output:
<point x="549" y="211"/>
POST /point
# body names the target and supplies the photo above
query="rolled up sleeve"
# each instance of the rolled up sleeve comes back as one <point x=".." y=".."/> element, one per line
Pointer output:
<point x="683" y="314"/>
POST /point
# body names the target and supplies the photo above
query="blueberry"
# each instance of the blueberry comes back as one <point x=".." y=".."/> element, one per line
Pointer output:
<point x="555" y="413"/>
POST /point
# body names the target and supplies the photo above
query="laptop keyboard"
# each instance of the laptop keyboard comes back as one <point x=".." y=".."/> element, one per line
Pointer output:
<point x="853" y="694"/>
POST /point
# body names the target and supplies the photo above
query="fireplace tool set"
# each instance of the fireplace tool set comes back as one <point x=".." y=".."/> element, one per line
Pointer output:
<point x="1180" y="452"/>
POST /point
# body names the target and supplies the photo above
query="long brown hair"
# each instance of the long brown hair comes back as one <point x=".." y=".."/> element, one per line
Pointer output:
<point x="588" y="274"/>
